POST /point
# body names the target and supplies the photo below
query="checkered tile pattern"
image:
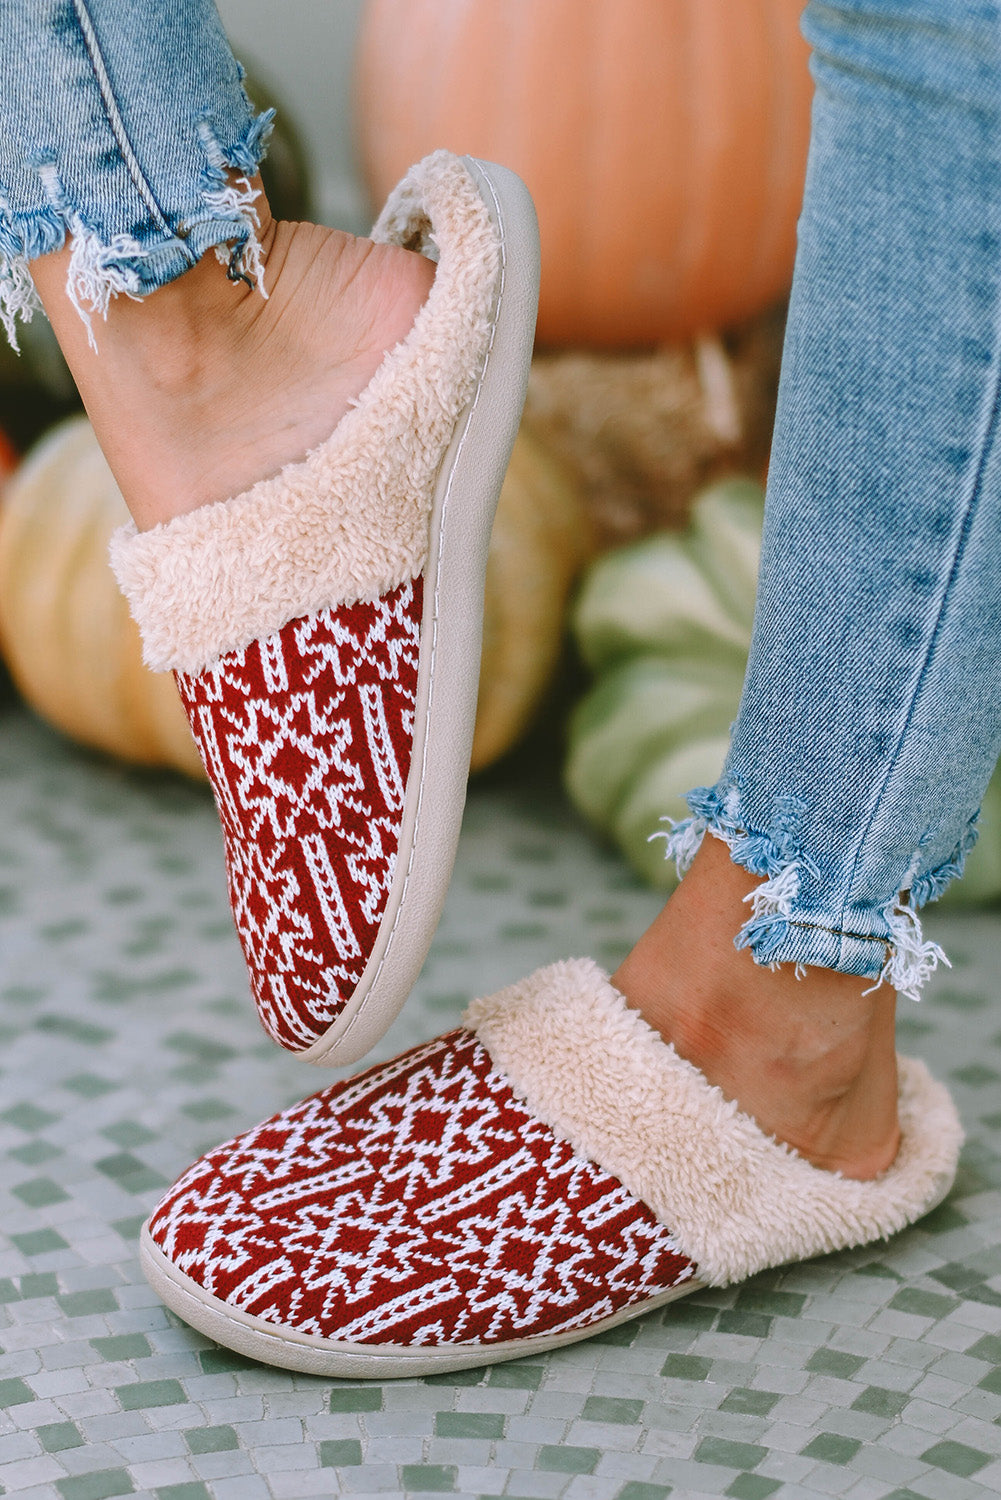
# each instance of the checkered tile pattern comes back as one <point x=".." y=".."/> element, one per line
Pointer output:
<point x="129" y="1050"/>
<point x="420" y="1203"/>
<point x="306" y="737"/>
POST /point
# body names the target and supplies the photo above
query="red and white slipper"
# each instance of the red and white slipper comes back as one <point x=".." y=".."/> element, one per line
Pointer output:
<point x="325" y="630"/>
<point x="546" y="1172"/>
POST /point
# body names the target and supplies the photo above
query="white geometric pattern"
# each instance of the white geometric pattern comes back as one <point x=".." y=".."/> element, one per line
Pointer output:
<point x="307" y="739"/>
<point x="419" y="1203"/>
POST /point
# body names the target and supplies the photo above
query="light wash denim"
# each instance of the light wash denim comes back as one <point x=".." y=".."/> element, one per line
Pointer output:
<point x="871" y="715"/>
<point x="869" y="723"/>
<point x="123" y="123"/>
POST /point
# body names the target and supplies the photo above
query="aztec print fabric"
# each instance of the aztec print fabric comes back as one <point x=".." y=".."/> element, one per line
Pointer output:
<point x="419" y="1203"/>
<point x="306" y="736"/>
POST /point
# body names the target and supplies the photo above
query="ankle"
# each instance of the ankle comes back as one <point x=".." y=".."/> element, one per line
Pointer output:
<point x="812" y="1059"/>
<point x="164" y="332"/>
<point x="205" y="386"/>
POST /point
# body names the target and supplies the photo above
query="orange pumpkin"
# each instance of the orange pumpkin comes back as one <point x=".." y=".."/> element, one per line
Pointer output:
<point x="664" y="142"/>
<point x="65" y="630"/>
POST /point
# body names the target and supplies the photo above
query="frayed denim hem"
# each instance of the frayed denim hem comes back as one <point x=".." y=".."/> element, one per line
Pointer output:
<point x="103" y="266"/>
<point x="895" y="952"/>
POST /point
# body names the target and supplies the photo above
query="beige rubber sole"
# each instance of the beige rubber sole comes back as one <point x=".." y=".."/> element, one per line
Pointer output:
<point x="466" y="494"/>
<point x="311" y="1355"/>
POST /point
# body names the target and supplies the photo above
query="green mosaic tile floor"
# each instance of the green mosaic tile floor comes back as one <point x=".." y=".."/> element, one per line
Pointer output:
<point x="129" y="1046"/>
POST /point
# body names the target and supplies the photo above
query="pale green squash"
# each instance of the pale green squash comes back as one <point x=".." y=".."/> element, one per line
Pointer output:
<point x="665" y="624"/>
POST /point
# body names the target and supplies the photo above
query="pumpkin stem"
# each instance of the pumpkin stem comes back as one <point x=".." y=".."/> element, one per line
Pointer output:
<point x="721" y="404"/>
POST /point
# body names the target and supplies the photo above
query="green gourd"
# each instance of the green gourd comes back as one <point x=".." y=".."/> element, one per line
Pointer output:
<point x="665" y="625"/>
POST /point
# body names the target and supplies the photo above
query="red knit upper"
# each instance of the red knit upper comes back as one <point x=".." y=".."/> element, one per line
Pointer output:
<point x="306" y="736"/>
<point x="419" y="1203"/>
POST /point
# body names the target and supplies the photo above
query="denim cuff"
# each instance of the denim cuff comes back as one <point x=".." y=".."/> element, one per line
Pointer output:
<point x="128" y="134"/>
<point x="882" y="941"/>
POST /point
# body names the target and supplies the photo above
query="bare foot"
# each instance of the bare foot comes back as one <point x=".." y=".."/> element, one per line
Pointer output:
<point x="204" y="387"/>
<point x="811" y="1059"/>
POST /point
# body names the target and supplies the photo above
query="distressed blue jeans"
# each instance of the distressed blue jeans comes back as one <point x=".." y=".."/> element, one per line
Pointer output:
<point x="869" y="723"/>
<point x="124" y="125"/>
<point x="870" y="719"/>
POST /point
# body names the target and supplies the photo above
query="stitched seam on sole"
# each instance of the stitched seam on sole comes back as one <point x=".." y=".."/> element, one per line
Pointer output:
<point x="434" y="618"/>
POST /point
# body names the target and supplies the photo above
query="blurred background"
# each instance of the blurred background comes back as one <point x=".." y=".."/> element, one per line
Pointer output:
<point x="303" y="50"/>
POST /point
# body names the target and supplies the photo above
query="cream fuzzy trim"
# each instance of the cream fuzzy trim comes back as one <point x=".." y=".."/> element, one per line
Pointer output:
<point x="351" y="521"/>
<point x="735" y="1199"/>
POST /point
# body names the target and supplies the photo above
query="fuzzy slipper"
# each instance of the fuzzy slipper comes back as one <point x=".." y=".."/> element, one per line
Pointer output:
<point x="325" y="630"/>
<point x="549" y="1171"/>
